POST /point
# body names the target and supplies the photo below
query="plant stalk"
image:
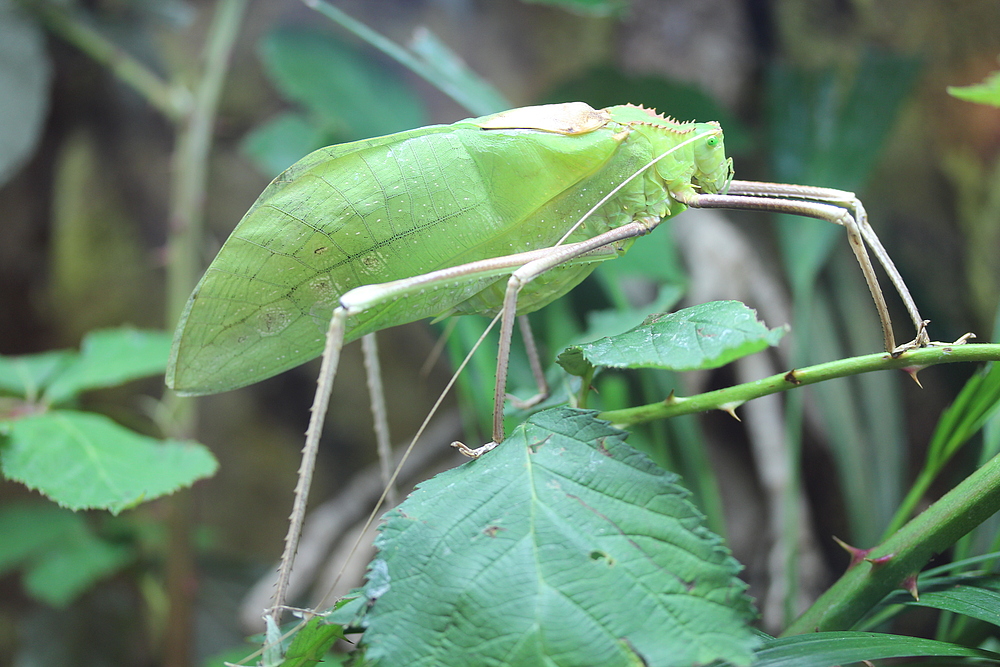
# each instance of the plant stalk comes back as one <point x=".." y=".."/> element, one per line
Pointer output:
<point x="732" y="397"/>
<point x="963" y="508"/>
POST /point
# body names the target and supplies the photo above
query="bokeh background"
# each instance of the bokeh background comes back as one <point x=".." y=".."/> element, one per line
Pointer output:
<point x="841" y="93"/>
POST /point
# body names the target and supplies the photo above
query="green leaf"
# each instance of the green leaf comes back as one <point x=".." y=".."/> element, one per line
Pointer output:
<point x="704" y="336"/>
<point x="30" y="529"/>
<point x="974" y="405"/>
<point x="86" y="461"/>
<point x="311" y="643"/>
<point x="823" y="649"/>
<point x="987" y="92"/>
<point x="348" y="91"/>
<point x="563" y="545"/>
<point x="60" y="556"/>
<point x="282" y="140"/>
<point x="111" y="357"/>
<point x="24" y="87"/>
<point x="972" y="601"/>
<point x="25" y="375"/>
<point x="451" y="73"/>
<point x="976" y="596"/>
<point x="62" y="574"/>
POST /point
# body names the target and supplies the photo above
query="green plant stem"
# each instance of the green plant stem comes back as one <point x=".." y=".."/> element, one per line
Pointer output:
<point x="184" y="244"/>
<point x="174" y="102"/>
<point x="963" y="508"/>
<point x="731" y="398"/>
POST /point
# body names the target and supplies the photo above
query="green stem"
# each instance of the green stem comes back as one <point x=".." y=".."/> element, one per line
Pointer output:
<point x="172" y="101"/>
<point x="886" y="567"/>
<point x="184" y="250"/>
<point x="732" y="397"/>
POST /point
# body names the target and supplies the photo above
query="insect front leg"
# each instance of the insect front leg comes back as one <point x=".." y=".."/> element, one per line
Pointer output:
<point x="850" y="202"/>
<point x="761" y="198"/>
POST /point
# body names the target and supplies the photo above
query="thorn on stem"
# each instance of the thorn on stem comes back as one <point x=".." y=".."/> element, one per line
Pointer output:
<point x="910" y="585"/>
<point x="857" y="555"/>
<point x="730" y="409"/>
<point x="912" y="372"/>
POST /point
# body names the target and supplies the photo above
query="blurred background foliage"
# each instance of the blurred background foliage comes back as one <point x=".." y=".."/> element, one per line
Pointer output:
<point x="840" y="93"/>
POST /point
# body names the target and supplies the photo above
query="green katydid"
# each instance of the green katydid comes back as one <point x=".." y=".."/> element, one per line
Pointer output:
<point x="497" y="215"/>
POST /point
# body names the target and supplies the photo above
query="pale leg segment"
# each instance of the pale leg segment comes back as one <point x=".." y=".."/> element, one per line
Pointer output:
<point x="602" y="243"/>
<point x="536" y="368"/>
<point x="840" y="214"/>
<point x="857" y="209"/>
<point x="376" y="395"/>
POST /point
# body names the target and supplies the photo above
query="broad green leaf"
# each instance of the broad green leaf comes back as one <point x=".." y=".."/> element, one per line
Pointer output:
<point x="282" y="140"/>
<point x="339" y="86"/>
<point x="73" y="566"/>
<point x="607" y="323"/>
<point x="24" y="87"/>
<point x="25" y="375"/>
<point x="561" y="546"/>
<point x="823" y="649"/>
<point x="987" y="92"/>
<point x="30" y="529"/>
<point x="704" y="336"/>
<point x="111" y="357"/>
<point x="86" y="461"/>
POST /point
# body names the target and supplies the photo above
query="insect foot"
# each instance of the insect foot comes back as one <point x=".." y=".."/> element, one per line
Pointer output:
<point x="474" y="453"/>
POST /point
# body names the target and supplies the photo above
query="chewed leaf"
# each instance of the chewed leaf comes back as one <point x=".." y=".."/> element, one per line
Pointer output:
<point x="577" y="550"/>
<point x="86" y="461"/>
<point x="705" y="336"/>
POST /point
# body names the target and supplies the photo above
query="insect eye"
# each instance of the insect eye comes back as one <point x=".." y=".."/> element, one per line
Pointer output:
<point x="712" y="142"/>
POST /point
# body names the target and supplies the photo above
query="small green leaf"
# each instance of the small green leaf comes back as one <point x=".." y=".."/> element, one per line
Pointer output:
<point x="86" y="461"/>
<point x="60" y="556"/>
<point x="111" y="357"/>
<point x="563" y="545"/>
<point x="987" y="92"/>
<point x="311" y="643"/>
<point x="823" y="649"/>
<point x="574" y="362"/>
<point x="705" y="336"/>
<point x="74" y="566"/>
<point x="31" y="529"/>
<point x="25" y="375"/>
